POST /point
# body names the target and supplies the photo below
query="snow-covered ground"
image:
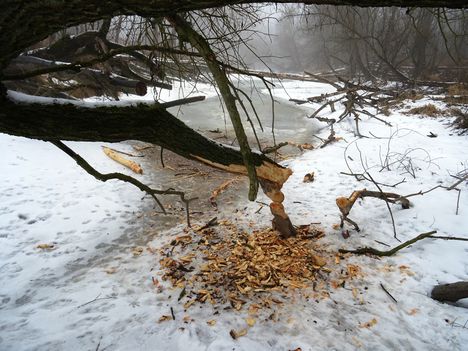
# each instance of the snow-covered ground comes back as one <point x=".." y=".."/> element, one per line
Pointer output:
<point x="94" y="289"/>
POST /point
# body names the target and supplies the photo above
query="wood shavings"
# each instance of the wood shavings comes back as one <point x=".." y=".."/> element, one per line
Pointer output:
<point x="46" y="246"/>
<point x="137" y="251"/>
<point x="220" y="189"/>
<point x="164" y="318"/>
<point x="237" y="334"/>
<point x="369" y="324"/>
<point x="229" y="265"/>
<point x="250" y="321"/>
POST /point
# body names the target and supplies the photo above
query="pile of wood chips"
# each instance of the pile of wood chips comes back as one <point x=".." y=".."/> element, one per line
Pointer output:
<point x="224" y="264"/>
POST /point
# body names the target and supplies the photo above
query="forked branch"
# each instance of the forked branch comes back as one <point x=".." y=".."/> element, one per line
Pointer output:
<point x="125" y="178"/>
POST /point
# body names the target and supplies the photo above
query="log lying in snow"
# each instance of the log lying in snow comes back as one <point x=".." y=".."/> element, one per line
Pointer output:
<point x="450" y="292"/>
<point x="135" y="167"/>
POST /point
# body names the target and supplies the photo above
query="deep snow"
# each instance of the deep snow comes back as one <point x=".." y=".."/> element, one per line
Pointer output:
<point x="46" y="296"/>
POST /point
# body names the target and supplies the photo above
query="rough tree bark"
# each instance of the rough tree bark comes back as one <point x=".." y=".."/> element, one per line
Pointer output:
<point x="450" y="292"/>
<point x="152" y="124"/>
<point x="185" y="30"/>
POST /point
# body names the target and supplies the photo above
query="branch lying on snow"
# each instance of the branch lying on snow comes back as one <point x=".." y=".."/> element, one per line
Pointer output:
<point x="114" y="155"/>
<point x="375" y="252"/>
<point x="271" y="149"/>
<point x="125" y="178"/>
<point x="345" y="204"/>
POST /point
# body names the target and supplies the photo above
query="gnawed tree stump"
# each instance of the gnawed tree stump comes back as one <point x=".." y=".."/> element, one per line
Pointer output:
<point x="450" y="292"/>
<point x="281" y="221"/>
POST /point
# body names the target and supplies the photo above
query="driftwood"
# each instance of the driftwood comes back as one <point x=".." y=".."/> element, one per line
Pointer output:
<point x="114" y="154"/>
<point x="345" y="204"/>
<point x="450" y="292"/>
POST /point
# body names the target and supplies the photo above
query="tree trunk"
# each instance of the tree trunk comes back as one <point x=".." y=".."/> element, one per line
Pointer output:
<point x="151" y="124"/>
<point x="450" y="292"/>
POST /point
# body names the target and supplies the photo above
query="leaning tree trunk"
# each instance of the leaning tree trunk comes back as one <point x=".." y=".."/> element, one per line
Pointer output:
<point x="151" y="124"/>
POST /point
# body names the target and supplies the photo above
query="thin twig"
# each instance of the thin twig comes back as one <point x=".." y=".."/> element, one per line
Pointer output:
<point x="388" y="205"/>
<point x="97" y="298"/>
<point x="123" y="177"/>
<point x="161" y="157"/>
<point x="383" y="287"/>
<point x="172" y="314"/>
<point x="449" y="238"/>
<point x="99" y="344"/>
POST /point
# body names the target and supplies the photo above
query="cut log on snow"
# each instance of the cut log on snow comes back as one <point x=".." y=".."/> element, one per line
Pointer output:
<point x="450" y="292"/>
<point x="135" y="167"/>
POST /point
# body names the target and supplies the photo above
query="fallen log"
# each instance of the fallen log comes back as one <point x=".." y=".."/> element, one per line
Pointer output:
<point x="146" y="123"/>
<point x="450" y="292"/>
<point x="135" y="167"/>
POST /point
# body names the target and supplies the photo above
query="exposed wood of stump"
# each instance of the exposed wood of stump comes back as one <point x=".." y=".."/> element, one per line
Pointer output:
<point x="450" y="292"/>
<point x="281" y="221"/>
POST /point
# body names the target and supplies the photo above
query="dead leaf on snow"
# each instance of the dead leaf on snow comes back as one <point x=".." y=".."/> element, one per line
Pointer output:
<point x="111" y="270"/>
<point x="309" y="177"/>
<point x="46" y="246"/>
<point x="137" y="251"/>
<point x="250" y="321"/>
<point x="369" y="324"/>
<point x="237" y="334"/>
<point x="164" y="318"/>
<point x="211" y="322"/>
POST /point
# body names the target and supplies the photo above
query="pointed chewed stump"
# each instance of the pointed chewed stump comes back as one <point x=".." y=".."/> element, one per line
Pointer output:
<point x="281" y="221"/>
